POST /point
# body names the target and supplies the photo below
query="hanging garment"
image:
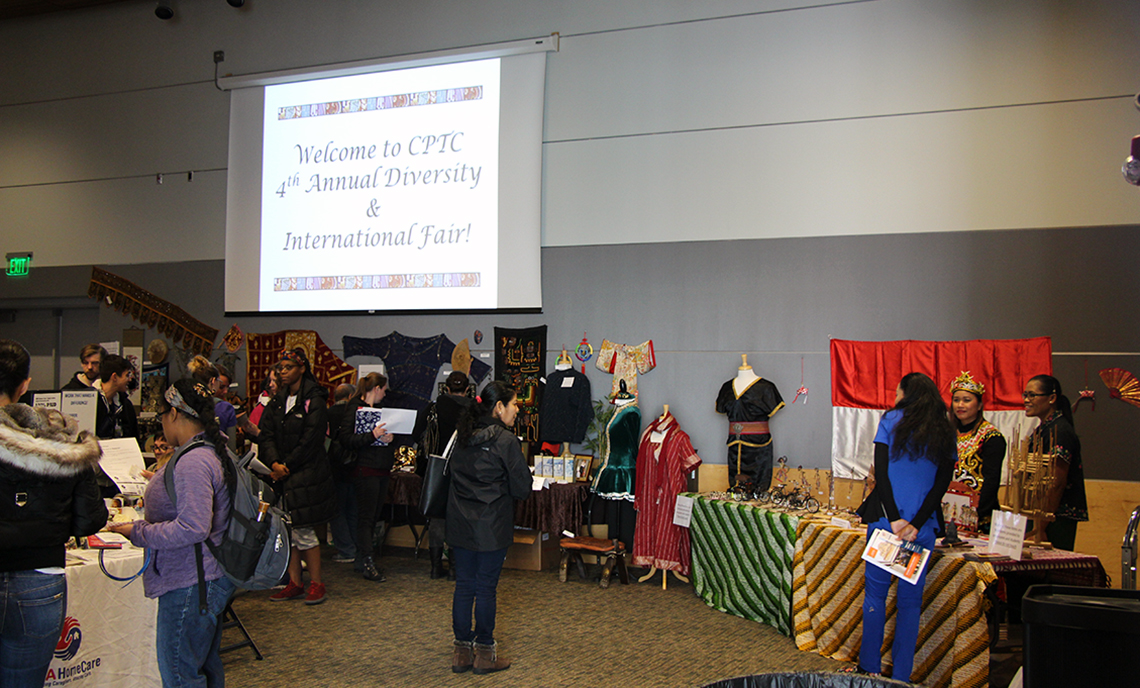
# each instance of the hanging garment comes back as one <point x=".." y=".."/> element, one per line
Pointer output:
<point x="664" y="458"/>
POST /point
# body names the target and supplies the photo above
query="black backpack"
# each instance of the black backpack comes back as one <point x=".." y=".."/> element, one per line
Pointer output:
<point x="254" y="552"/>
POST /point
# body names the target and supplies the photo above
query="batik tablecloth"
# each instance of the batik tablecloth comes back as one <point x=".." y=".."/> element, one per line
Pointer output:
<point x="827" y="602"/>
<point x="742" y="560"/>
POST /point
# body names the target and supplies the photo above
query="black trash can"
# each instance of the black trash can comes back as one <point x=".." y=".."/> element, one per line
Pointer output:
<point x="1079" y="636"/>
<point x="806" y="680"/>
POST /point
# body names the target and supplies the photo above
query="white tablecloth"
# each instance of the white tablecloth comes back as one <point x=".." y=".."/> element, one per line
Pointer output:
<point x="108" y="633"/>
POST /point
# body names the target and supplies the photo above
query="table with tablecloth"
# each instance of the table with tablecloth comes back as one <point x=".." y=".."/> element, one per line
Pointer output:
<point x="827" y="604"/>
<point x="805" y="578"/>
<point x="108" y="633"/>
<point x="553" y="509"/>
<point x="742" y="560"/>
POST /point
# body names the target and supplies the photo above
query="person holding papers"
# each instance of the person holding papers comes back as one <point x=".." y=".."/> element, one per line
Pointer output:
<point x="915" y="451"/>
<point x="47" y="495"/>
<point x="362" y="432"/>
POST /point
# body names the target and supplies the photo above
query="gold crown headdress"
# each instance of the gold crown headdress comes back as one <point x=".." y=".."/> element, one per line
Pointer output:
<point x="966" y="382"/>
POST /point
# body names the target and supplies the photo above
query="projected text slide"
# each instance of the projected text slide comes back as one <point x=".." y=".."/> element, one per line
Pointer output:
<point x="380" y="191"/>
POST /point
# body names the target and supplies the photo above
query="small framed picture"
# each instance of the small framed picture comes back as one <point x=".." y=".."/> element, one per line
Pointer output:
<point x="582" y="464"/>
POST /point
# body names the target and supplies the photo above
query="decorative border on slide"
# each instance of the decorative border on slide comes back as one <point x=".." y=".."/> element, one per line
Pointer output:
<point x="426" y="280"/>
<point x="402" y="100"/>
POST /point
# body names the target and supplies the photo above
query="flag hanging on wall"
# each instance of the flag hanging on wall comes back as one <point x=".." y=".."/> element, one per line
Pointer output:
<point x="864" y="376"/>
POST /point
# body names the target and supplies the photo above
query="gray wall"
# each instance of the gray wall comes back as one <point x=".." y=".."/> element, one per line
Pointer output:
<point x="779" y="301"/>
<point x="745" y="176"/>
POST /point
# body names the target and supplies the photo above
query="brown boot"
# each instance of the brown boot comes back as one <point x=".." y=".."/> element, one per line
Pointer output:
<point x="487" y="661"/>
<point x="462" y="659"/>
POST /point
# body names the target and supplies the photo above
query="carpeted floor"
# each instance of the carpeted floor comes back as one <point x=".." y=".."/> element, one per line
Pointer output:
<point x="398" y="633"/>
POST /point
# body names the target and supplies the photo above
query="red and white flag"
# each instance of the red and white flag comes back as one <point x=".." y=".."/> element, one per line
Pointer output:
<point x="864" y="376"/>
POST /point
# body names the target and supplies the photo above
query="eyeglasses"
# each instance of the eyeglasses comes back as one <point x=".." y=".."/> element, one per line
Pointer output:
<point x="282" y="367"/>
<point x="1030" y="395"/>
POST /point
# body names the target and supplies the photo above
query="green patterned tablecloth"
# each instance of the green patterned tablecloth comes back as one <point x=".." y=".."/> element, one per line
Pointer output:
<point x="742" y="560"/>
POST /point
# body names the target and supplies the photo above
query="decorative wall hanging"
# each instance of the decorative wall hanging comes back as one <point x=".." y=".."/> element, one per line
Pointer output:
<point x="412" y="364"/>
<point x="156" y="351"/>
<point x="519" y="358"/>
<point x="584" y="351"/>
<point x="234" y="339"/>
<point x="625" y="361"/>
<point x="1122" y="385"/>
<point x="152" y="311"/>
<point x="1086" y="394"/>
<point x="265" y="351"/>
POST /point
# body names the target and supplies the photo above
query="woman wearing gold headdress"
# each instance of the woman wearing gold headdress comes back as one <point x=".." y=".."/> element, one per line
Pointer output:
<point x="981" y="446"/>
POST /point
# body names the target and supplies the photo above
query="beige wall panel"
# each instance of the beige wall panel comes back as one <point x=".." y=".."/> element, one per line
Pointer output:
<point x="118" y="221"/>
<point x="855" y="60"/>
<point x="119" y="135"/>
<point x="1042" y="166"/>
<point x="1110" y="505"/>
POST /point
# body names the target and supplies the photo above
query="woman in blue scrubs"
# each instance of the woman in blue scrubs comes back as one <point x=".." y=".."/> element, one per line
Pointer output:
<point x="915" y="451"/>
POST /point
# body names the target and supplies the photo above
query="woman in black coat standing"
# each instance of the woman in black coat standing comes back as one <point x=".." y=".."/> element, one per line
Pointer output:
<point x="47" y="495"/>
<point x="488" y="473"/>
<point x="374" y="458"/>
<point x="292" y="440"/>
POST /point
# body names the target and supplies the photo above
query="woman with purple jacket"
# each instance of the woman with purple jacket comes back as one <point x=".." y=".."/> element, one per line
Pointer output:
<point x="189" y="629"/>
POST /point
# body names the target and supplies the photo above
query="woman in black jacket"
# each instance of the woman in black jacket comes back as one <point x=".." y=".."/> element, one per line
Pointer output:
<point x="292" y="440"/>
<point x="47" y="494"/>
<point x="488" y="473"/>
<point x="374" y="458"/>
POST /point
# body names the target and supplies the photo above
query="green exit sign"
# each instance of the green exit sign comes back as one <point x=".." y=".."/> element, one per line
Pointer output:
<point x="19" y="264"/>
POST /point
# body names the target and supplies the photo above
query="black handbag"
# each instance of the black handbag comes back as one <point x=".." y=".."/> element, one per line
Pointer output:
<point x="437" y="480"/>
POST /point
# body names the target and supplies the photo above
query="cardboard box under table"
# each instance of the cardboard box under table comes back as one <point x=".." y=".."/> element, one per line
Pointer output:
<point x="532" y="551"/>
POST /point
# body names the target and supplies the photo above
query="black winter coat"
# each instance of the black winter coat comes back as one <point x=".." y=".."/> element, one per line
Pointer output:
<point x="487" y="476"/>
<point x="297" y="440"/>
<point x="367" y="456"/>
<point x="47" y="487"/>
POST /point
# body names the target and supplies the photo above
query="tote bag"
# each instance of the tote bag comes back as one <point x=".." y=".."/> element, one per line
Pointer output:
<point x="437" y="480"/>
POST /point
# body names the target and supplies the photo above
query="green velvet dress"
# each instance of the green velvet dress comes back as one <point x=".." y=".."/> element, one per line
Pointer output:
<point x="615" y="479"/>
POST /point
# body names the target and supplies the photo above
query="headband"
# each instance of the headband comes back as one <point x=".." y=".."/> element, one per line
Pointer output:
<point x="967" y="383"/>
<point x="295" y="356"/>
<point x="174" y="398"/>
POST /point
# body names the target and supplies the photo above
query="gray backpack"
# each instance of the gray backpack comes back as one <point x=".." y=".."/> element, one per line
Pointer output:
<point x="254" y="551"/>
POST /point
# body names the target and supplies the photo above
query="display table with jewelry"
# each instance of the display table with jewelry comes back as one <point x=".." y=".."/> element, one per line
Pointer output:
<point x="796" y="571"/>
<point x="108" y="631"/>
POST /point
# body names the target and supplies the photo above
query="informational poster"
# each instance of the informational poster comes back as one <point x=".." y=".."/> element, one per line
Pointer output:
<point x="48" y="400"/>
<point x="82" y="405"/>
<point x="1007" y="534"/>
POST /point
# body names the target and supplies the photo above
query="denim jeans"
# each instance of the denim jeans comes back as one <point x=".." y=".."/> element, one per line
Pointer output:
<point x="32" y="606"/>
<point x="343" y="524"/>
<point x="476" y="581"/>
<point x="189" y="642"/>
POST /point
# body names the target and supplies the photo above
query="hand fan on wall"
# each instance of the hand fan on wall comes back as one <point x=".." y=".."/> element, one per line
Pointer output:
<point x="1122" y="385"/>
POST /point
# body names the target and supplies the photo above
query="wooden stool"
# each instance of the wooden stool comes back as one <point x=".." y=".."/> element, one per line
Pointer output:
<point x="612" y="550"/>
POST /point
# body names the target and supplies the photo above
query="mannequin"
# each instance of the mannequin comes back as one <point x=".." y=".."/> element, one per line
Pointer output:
<point x="615" y="480"/>
<point x="749" y="401"/>
<point x="745" y="376"/>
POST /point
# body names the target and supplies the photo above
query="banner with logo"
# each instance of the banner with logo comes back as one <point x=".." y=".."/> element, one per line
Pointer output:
<point x="108" y="632"/>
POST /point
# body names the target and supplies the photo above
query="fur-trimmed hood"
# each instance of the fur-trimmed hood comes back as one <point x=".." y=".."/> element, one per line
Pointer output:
<point x="45" y="442"/>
